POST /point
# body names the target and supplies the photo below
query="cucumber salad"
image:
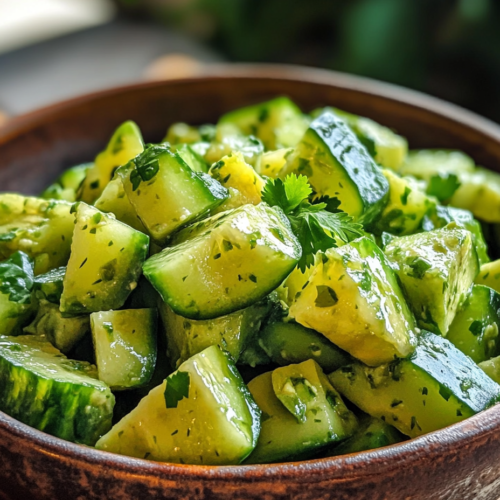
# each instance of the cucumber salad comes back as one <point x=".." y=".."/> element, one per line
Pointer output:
<point x="279" y="286"/>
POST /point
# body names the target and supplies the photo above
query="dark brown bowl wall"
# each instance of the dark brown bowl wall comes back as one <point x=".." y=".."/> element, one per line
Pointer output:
<point x="458" y="463"/>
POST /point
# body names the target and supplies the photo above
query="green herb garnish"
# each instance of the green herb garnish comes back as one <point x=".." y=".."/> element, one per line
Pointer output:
<point x="177" y="388"/>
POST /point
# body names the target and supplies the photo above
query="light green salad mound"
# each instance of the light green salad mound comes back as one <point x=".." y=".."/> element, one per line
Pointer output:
<point x="278" y="286"/>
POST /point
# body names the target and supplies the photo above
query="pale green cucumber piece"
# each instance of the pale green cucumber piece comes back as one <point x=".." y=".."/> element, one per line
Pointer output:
<point x="426" y="163"/>
<point x="105" y="263"/>
<point x="436" y="269"/>
<point x="125" y="346"/>
<point x="489" y="275"/>
<point x="113" y="199"/>
<point x="318" y="416"/>
<point x="47" y="391"/>
<point x="232" y="332"/>
<point x="353" y="298"/>
<point x="492" y="368"/>
<point x="272" y="162"/>
<point x="16" y="301"/>
<point x="166" y="194"/>
<point x="435" y="387"/>
<point x="64" y="333"/>
<point x="228" y="139"/>
<point x="406" y="207"/>
<point x="201" y="414"/>
<point x="338" y="166"/>
<point x="234" y="261"/>
<point x="40" y="228"/>
<point x="49" y="286"/>
<point x="287" y="343"/>
<point x="278" y="123"/>
<point x="387" y="148"/>
<point x="476" y="325"/>
<point x="194" y="160"/>
<point x="372" y="433"/>
<point x="67" y="184"/>
<point x="125" y="144"/>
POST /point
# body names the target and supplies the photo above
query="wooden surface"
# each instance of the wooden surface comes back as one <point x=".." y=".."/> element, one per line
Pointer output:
<point x="457" y="463"/>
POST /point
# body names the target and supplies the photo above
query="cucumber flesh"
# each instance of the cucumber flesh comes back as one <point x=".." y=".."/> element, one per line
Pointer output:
<point x="59" y="396"/>
<point x="489" y="275"/>
<point x="435" y="387"/>
<point x="170" y="424"/>
<point x="125" y="346"/>
<point x="49" y="286"/>
<point x="105" y="263"/>
<point x="240" y="256"/>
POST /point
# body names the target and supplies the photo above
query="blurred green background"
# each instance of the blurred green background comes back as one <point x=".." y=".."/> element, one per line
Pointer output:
<point x="447" y="48"/>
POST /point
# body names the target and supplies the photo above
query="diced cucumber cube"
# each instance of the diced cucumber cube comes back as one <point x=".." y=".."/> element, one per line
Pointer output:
<point x="338" y="166"/>
<point x="233" y="261"/>
<point x="201" y="414"/>
<point x="105" y="263"/>
<point x="287" y="343"/>
<point x="353" y="298"/>
<point x="436" y="269"/>
<point x="125" y="144"/>
<point x="49" y="286"/>
<point x="125" y="346"/>
<point x="278" y="123"/>
<point x="56" y="395"/>
<point x="272" y="162"/>
<point x="63" y="333"/>
<point x="40" y="228"/>
<point x="372" y="433"/>
<point x="187" y="337"/>
<point x="406" y="207"/>
<point x="194" y="160"/>
<point x="113" y="199"/>
<point x="476" y="325"/>
<point x="302" y="413"/>
<point x="492" y="368"/>
<point x="166" y="193"/>
<point x="66" y="186"/>
<point x="489" y="275"/>
<point x="435" y="387"/>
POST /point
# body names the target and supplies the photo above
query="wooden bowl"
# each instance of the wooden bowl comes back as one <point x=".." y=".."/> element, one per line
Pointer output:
<point x="460" y="462"/>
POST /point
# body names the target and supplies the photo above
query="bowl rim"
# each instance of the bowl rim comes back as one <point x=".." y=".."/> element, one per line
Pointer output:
<point x="473" y="429"/>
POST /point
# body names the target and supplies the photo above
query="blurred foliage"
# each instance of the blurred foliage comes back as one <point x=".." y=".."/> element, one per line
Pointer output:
<point x="448" y="48"/>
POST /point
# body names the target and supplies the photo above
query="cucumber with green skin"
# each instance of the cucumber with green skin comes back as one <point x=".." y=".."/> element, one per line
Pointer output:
<point x="105" y="263"/>
<point x="372" y="433"/>
<point x="475" y="328"/>
<point x="436" y="269"/>
<point x="302" y="413"/>
<point x="49" y="286"/>
<point x="232" y="332"/>
<point x="42" y="229"/>
<point x="59" y="396"/>
<point x="287" y="343"/>
<point x="278" y="123"/>
<point x="353" y="298"/>
<point x="195" y="161"/>
<point x="67" y="184"/>
<point x="338" y="166"/>
<point x="125" y="346"/>
<point x="240" y="255"/>
<point x="387" y="148"/>
<point x="125" y="144"/>
<point x="435" y="387"/>
<point x="166" y="194"/>
<point x="202" y="414"/>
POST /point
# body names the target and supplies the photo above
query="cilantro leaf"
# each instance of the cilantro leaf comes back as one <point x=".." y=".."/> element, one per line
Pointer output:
<point x="443" y="186"/>
<point x="315" y="226"/>
<point x="288" y="194"/>
<point x="331" y="204"/>
<point x="177" y="388"/>
<point x="17" y="278"/>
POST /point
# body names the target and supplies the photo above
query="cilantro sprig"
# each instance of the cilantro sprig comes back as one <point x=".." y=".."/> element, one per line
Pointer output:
<point x="176" y="389"/>
<point x="315" y="228"/>
<point x="443" y="186"/>
<point x="16" y="278"/>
